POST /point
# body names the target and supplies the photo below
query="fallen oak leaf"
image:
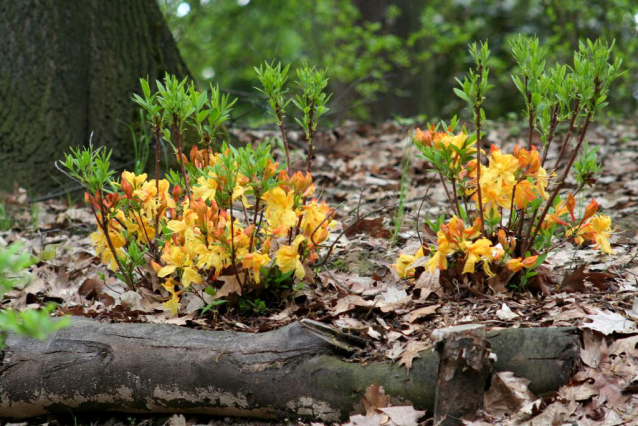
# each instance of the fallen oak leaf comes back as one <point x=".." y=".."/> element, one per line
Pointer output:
<point x="231" y="285"/>
<point x="507" y="394"/>
<point x="594" y="348"/>
<point x="375" y="398"/>
<point x="372" y="227"/>
<point x="429" y="283"/>
<point x="422" y="312"/>
<point x="608" y="322"/>
<point x="575" y="281"/>
<point x="411" y="351"/>
<point x="403" y="415"/>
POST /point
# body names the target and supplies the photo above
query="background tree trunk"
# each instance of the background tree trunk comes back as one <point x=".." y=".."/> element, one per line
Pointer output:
<point x="68" y="68"/>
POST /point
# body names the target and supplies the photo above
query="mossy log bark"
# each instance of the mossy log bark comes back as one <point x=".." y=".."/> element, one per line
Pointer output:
<point x="69" y="68"/>
<point x="287" y="373"/>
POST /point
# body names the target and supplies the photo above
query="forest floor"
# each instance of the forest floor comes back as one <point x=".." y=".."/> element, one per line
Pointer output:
<point x="361" y="168"/>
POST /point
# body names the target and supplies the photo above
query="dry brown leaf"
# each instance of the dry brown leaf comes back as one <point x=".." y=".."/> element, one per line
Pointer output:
<point x="507" y="394"/>
<point x="594" y="348"/>
<point x="231" y="286"/>
<point x="628" y="346"/>
<point x="350" y="302"/>
<point x="391" y="299"/>
<point x="608" y="322"/>
<point x="422" y="312"/>
<point x="411" y="351"/>
<point x="403" y="416"/>
<point x="374" y="398"/>
<point x="429" y="283"/>
<point x="633" y="312"/>
<point x="575" y="281"/>
<point x="372" y="227"/>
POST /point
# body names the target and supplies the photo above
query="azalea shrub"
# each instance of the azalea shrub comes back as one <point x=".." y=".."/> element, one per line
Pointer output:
<point x="509" y="210"/>
<point x="232" y="224"/>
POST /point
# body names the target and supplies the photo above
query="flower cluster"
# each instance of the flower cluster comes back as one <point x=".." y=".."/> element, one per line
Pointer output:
<point x="509" y="185"/>
<point x="230" y="223"/>
<point x="250" y="227"/>
<point x="507" y="211"/>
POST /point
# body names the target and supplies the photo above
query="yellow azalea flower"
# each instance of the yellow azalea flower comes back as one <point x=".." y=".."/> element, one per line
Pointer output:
<point x="517" y="264"/>
<point x="205" y="189"/>
<point x="555" y="217"/>
<point x="147" y="194"/>
<point x="212" y="256"/>
<point x="578" y="233"/>
<point x="443" y="139"/>
<point x="599" y="233"/>
<point x="439" y="258"/>
<point x="172" y="304"/>
<point x="279" y="213"/>
<point x="404" y="261"/>
<point x="254" y="261"/>
<point x="177" y="257"/>
<point x="480" y="250"/>
<point x="524" y="194"/>
<point x="288" y="258"/>
<point x="497" y="181"/>
<point x="102" y="248"/>
<point x="452" y="237"/>
<point x="315" y="217"/>
<point x="190" y="276"/>
<point x="186" y="223"/>
<point x="133" y="180"/>
<point x="141" y="226"/>
<point x="174" y="257"/>
<point x="542" y="180"/>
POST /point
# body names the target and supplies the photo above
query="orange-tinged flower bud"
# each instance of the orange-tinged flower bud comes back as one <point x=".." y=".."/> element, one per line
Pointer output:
<point x="571" y="204"/>
<point x="591" y="210"/>
<point x="266" y="245"/>
<point x="249" y="230"/>
<point x="193" y="154"/>
<point x="283" y="176"/>
<point x="502" y="239"/>
<point x="529" y="261"/>
<point x="270" y="170"/>
<point x="516" y="152"/>
<point x="424" y="138"/>
<point x="302" y="184"/>
<point x="177" y="191"/>
<point x="126" y="187"/>
<point x="200" y="207"/>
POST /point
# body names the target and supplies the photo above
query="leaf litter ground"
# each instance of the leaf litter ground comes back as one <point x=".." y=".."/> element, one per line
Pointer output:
<point x="360" y="168"/>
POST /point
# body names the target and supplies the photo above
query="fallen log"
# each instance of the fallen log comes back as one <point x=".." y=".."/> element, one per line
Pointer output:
<point x="285" y="373"/>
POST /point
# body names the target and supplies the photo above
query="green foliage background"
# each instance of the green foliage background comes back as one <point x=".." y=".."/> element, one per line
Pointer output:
<point x="396" y="57"/>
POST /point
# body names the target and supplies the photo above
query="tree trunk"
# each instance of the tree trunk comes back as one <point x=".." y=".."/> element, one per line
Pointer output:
<point x="69" y="68"/>
<point x="286" y="373"/>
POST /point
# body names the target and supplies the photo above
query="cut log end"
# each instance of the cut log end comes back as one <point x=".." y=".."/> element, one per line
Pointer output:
<point x="463" y="372"/>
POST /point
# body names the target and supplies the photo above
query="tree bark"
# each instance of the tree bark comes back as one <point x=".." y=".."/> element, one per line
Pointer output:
<point x="286" y="373"/>
<point x="69" y="68"/>
<point x="464" y="369"/>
